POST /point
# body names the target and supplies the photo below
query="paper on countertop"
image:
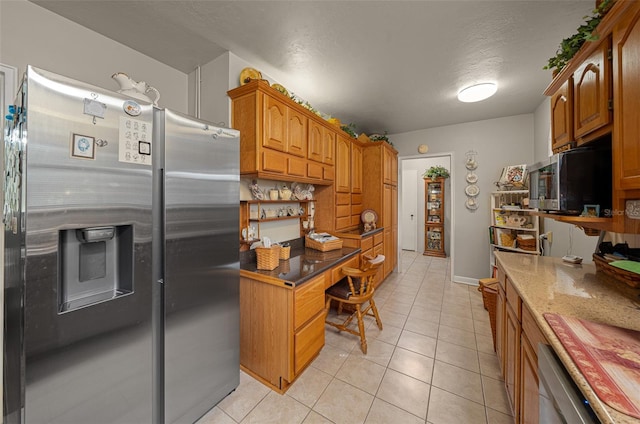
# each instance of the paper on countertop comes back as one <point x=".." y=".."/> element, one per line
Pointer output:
<point x="323" y="237"/>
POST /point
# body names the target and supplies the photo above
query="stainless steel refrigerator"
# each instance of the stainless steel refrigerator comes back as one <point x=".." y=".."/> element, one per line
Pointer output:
<point x="121" y="258"/>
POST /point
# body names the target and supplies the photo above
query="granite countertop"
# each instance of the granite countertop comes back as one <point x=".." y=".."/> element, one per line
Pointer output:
<point x="302" y="265"/>
<point x="548" y="284"/>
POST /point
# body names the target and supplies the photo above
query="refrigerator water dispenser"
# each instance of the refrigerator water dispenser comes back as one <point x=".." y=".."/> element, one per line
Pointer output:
<point x="96" y="264"/>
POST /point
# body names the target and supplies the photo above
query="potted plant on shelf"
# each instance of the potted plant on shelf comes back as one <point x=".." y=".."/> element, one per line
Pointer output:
<point x="435" y="172"/>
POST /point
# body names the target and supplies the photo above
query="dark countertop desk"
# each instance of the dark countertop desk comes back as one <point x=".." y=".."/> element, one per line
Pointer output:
<point x="302" y="266"/>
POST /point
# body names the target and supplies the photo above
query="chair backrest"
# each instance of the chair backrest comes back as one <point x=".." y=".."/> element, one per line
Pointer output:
<point x="361" y="281"/>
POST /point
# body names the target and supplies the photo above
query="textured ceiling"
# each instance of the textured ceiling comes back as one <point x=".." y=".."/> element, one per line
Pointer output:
<point x="391" y="66"/>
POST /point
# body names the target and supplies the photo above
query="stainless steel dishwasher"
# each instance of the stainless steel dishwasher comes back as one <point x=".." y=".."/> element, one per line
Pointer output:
<point x="561" y="401"/>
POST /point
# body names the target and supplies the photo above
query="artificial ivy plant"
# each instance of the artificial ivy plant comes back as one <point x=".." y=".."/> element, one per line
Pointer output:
<point x="586" y="32"/>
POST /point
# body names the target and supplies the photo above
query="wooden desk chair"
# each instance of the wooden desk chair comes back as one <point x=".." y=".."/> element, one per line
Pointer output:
<point x="356" y="289"/>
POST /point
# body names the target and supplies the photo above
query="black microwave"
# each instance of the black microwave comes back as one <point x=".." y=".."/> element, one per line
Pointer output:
<point x="573" y="182"/>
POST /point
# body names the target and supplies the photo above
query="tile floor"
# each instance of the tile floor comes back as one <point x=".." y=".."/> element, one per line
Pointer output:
<point x="432" y="363"/>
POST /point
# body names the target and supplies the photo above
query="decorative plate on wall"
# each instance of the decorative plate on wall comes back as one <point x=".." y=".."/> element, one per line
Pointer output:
<point x="472" y="178"/>
<point x="472" y="190"/>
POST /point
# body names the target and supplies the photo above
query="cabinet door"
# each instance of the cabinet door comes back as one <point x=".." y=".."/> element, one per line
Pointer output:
<point x="343" y="175"/>
<point x="297" y="137"/>
<point x="592" y="92"/>
<point x="626" y="80"/>
<point x="308" y="342"/>
<point x="500" y="328"/>
<point x="394" y="169"/>
<point x="562" y="115"/>
<point x="275" y="124"/>
<point x="328" y="146"/>
<point x="315" y="145"/>
<point x="394" y="227"/>
<point x="356" y="168"/>
<point x="529" y="403"/>
<point x="512" y="358"/>
<point x="387" y="165"/>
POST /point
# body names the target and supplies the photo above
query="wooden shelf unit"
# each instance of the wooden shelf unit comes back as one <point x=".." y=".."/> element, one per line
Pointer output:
<point x="247" y="218"/>
<point x="434" y="231"/>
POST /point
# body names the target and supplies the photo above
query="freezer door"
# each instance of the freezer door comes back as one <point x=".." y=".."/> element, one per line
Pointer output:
<point x="87" y="299"/>
<point x="202" y="336"/>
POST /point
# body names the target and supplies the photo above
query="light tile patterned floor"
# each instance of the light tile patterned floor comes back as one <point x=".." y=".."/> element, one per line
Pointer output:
<point x="432" y="363"/>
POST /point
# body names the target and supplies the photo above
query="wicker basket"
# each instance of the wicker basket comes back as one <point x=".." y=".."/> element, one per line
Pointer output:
<point x="489" y="289"/>
<point x="285" y="252"/>
<point x="323" y="247"/>
<point x="268" y="257"/>
<point x="630" y="278"/>
<point x="526" y="244"/>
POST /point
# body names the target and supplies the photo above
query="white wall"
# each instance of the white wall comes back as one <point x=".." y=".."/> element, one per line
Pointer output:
<point x="567" y="238"/>
<point x="32" y="35"/>
<point x="421" y="164"/>
<point x="499" y="142"/>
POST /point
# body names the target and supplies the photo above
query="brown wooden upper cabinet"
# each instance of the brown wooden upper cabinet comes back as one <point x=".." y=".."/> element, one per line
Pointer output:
<point x="626" y="80"/>
<point x="356" y="168"/>
<point x="343" y="165"/>
<point x="604" y="73"/>
<point x="275" y="125"/>
<point x="581" y="106"/>
<point x="280" y="139"/>
<point x="592" y="94"/>
<point x="316" y="142"/>
<point x="562" y="116"/>
<point x="297" y="137"/>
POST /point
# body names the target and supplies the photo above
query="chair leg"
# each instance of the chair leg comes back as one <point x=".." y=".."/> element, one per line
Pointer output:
<point x="363" y="339"/>
<point x="339" y="308"/>
<point x="375" y="313"/>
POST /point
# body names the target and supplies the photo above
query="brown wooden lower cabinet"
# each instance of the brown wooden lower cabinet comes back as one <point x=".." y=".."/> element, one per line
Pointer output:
<point x="529" y="403"/>
<point x="517" y="338"/>
<point x="512" y="357"/>
<point x="282" y="327"/>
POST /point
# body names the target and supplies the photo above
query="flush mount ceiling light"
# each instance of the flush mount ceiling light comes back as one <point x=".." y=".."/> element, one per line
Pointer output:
<point x="477" y="92"/>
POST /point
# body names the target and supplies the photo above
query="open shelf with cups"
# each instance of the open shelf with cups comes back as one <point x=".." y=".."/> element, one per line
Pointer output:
<point x="255" y="212"/>
<point x="514" y="227"/>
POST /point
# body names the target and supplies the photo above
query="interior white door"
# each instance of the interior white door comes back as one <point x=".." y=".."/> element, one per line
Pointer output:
<point x="409" y="215"/>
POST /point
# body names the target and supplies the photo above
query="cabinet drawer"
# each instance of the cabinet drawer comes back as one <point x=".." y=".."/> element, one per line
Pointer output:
<point x="366" y="243"/>
<point x="355" y="219"/>
<point x="531" y="329"/>
<point x="314" y="170"/>
<point x="343" y="222"/>
<point x="336" y="273"/>
<point x="513" y="299"/>
<point x="378" y="238"/>
<point x="342" y="199"/>
<point x="274" y="161"/>
<point x="356" y="209"/>
<point x="328" y="173"/>
<point x="308" y="342"/>
<point x="356" y="199"/>
<point x="297" y="167"/>
<point x="343" y="210"/>
<point x="309" y="300"/>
